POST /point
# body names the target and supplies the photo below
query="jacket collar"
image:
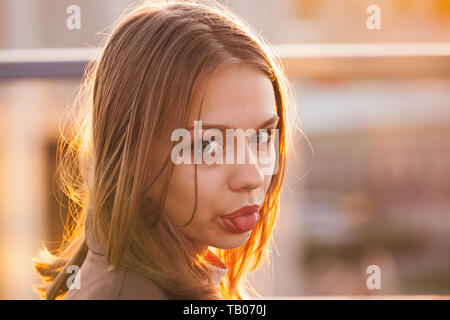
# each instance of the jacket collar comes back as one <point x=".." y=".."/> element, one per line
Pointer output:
<point x="218" y="266"/>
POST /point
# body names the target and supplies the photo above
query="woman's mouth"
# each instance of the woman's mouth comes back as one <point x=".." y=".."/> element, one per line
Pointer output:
<point x="242" y="220"/>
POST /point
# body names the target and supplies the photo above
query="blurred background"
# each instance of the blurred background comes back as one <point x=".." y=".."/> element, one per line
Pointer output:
<point x="374" y="103"/>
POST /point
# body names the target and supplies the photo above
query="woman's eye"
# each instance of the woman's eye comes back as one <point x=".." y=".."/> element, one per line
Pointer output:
<point x="261" y="136"/>
<point x="207" y="146"/>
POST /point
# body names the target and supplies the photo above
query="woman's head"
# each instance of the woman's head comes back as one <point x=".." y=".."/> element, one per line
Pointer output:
<point x="166" y="65"/>
<point x="237" y="96"/>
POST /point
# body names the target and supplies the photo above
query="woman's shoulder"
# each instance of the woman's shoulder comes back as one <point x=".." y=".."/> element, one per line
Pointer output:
<point x="95" y="282"/>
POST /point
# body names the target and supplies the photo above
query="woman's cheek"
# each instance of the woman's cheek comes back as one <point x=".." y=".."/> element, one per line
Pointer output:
<point x="181" y="194"/>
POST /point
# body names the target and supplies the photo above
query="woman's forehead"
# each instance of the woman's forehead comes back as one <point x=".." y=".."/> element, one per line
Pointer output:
<point x="236" y="96"/>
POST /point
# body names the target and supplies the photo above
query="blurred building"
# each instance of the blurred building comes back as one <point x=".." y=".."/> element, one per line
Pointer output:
<point x="42" y="23"/>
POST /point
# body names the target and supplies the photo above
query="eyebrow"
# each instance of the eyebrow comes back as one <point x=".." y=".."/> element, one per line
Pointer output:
<point x="266" y="123"/>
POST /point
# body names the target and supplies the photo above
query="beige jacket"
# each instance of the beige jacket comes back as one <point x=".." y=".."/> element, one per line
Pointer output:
<point x="96" y="282"/>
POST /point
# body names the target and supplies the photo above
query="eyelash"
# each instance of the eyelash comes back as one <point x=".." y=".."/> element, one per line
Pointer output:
<point x="269" y="134"/>
<point x="268" y="131"/>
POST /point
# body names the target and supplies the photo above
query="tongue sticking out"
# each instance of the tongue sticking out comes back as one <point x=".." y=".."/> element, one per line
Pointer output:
<point x="242" y="223"/>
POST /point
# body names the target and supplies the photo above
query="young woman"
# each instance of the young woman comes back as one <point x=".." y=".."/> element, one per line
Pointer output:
<point x="142" y="226"/>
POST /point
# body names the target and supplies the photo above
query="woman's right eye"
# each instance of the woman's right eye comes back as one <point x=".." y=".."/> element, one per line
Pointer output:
<point x="206" y="146"/>
<point x="209" y="147"/>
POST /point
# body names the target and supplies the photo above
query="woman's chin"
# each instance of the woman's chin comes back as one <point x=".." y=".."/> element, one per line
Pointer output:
<point x="232" y="241"/>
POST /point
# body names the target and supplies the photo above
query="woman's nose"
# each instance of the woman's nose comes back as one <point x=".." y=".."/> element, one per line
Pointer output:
<point x="246" y="176"/>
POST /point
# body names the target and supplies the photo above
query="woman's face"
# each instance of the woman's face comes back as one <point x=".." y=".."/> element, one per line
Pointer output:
<point x="236" y="97"/>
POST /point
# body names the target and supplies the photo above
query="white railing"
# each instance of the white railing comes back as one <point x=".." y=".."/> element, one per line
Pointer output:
<point x="304" y="60"/>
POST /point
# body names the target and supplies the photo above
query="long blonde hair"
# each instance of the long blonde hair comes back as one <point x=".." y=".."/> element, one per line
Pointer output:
<point x="158" y="55"/>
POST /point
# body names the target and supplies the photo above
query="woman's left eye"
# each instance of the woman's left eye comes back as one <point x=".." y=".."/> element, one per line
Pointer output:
<point x="262" y="136"/>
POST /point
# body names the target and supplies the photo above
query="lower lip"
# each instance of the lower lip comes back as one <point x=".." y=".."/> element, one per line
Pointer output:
<point x="242" y="223"/>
